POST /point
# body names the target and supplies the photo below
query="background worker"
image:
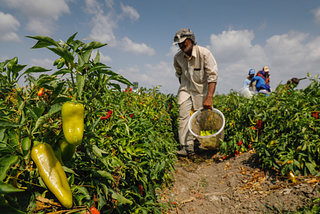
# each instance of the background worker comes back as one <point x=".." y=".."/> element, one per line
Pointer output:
<point x="267" y="75"/>
<point x="294" y="82"/>
<point x="197" y="71"/>
<point x="247" y="81"/>
<point x="260" y="83"/>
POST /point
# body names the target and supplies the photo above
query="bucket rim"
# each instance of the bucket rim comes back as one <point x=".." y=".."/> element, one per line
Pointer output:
<point x="208" y="136"/>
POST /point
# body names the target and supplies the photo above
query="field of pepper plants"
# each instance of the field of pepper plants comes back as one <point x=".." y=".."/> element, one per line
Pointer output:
<point x="115" y="151"/>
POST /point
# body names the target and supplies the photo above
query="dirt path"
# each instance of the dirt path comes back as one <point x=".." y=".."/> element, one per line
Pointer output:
<point x="209" y="184"/>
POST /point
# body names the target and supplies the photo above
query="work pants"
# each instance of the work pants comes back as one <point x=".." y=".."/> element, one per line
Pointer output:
<point x="185" y="137"/>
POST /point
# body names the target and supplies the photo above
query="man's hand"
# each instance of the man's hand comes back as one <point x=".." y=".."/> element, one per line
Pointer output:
<point x="207" y="104"/>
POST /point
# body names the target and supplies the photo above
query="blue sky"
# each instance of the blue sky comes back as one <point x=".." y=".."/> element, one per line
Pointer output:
<point x="242" y="34"/>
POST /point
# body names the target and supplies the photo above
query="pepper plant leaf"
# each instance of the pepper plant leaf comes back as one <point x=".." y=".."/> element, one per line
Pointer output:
<point x="120" y="79"/>
<point x="43" y="41"/>
<point x="80" y="83"/>
<point x="25" y="145"/>
<point x="121" y="199"/>
<point x="7" y="188"/>
<point x="103" y="174"/>
<point x="71" y="38"/>
<point x="63" y="52"/>
<point x="6" y="163"/>
<point x="97" y="58"/>
<point x="36" y="69"/>
<point x="93" y="45"/>
<point x="7" y="124"/>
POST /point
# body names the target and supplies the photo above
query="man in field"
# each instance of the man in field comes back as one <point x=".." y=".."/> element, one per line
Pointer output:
<point x="197" y="72"/>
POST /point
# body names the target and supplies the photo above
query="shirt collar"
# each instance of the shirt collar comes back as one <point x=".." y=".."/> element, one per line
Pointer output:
<point x="193" y="54"/>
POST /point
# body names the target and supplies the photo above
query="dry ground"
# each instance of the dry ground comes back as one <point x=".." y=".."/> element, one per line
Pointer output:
<point x="209" y="184"/>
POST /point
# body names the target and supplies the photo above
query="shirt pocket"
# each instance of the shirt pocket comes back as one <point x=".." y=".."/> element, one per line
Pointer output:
<point x="197" y="75"/>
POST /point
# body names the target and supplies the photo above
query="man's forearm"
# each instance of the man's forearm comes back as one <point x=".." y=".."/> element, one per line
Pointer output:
<point x="208" y="101"/>
<point x="211" y="89"/>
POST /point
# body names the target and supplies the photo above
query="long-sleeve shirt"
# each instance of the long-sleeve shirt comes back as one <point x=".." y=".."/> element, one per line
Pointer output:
<point x="195" y="73"/>
<point x="246" y="82"/>
<point x="260" y="82"/>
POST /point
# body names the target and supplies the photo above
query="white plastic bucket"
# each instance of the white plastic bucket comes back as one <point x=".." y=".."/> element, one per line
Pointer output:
<point x="207" y="119"/>
<point x="245" y="92"/>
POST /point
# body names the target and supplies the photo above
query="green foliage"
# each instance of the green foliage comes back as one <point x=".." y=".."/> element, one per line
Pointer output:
<point x="280" y="127"/>
<point x="122" y="161"/>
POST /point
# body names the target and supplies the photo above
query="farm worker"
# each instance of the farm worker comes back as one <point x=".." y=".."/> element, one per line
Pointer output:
<point x="197" y="71"/>
<point x="294" y="82"/>
<point x="260" y="83"/>
<point x="247" y="81"/>
<point x="266" y="70"/>
<point x="291" y="83"/>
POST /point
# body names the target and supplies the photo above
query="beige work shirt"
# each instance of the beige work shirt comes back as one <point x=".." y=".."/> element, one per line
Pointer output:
<point x="195" y="72"/>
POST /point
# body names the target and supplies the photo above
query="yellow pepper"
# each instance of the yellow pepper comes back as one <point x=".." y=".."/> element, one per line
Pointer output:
<point x="52" y="173"/>
<point x="73" y="122"/>
<point x="67" y="150"/>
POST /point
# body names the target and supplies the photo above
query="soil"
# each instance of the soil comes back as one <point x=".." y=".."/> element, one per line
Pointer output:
<point x="208" y="183"/>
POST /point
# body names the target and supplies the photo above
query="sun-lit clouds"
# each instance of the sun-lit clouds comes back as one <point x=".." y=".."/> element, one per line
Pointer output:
<point x="152" y="75"/>
<point x="313" y="50"/>
<point x="103" y="58"/>
<point x="40" y="27"/>
<point x="128" y="46"/>
<point x="92" y="7"/>
<point x="129" y="11"/>
<point x="316" y="13"/>
<point x="105" y="21"/>
<point x="8" y="26"/>
<point x="173" y="50"/>
<point x="288" y="55"/>
<point x="286" y="49"/>
<point x="45" y="11"/>
<point x="45" y="63"/>
<point x="231" y="45"/>
<point x="43" y="8"/>
<point x="103" y="26"/>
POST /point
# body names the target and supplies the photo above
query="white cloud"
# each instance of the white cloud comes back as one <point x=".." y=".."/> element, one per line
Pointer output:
<point x="289" y="55"/>
<point x="39" y="26"/>
<point x="109" y="3"/>
<point x="45" y="11"/>
<point x="43" y="8"/>
<point x="103" y="26"/>
<point x="92" y="7"/>
<point x="45" y="63"/>
<point x="129" y="11"/>
<point x="128" y="46"/>
<point x="317" y="15"/>
<point x="231" y="45"/>
<point x="153" y="75"/>
<point x="8" y="26"/>
<point x="286" y="49"/>
<point x="104" y="59"/>
<point x="173" y="50"/>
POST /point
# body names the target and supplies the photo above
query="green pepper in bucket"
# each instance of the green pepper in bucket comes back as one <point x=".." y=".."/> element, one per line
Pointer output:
<point x="207" y="125"/>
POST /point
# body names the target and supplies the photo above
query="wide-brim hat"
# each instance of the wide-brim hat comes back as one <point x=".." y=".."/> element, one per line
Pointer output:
<point x="266" y="69"/>
<point x="182" y="35"/>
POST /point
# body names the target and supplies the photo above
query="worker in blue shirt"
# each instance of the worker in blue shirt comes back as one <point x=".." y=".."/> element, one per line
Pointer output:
<point x="261" y="86"/>
<point x="248" y="79"/>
